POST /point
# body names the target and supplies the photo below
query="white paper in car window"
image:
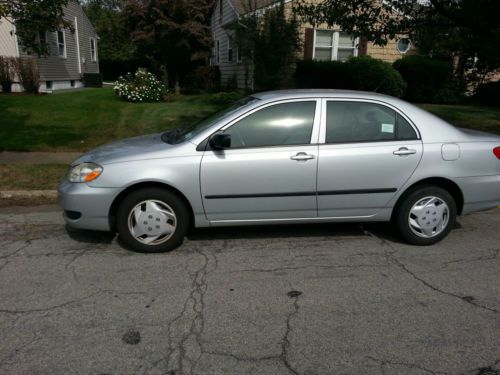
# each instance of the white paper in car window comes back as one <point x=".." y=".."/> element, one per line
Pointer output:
<point x="387" y="128"/>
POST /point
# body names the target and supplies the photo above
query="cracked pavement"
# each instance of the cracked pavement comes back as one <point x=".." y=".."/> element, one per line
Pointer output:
<point x="309" y="299"/>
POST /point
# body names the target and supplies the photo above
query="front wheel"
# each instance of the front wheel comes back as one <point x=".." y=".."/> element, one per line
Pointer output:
<point x="152" y="220"/>
<point x="426" y="215"/>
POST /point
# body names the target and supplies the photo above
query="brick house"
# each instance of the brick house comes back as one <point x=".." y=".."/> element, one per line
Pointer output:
<point x="319" y="43"/>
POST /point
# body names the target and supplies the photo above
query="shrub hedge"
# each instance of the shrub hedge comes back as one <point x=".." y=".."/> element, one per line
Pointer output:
<point x="140" y="86"/>
<point x="489" y="93"/>
<point x="357" y="73"/>
<point x="429" y="80"/>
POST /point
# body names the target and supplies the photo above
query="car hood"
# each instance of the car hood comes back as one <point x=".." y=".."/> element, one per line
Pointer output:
<point x="136" y="148"/>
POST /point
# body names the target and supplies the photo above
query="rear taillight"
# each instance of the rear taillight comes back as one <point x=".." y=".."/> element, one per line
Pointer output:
<point x="496" y="151"/>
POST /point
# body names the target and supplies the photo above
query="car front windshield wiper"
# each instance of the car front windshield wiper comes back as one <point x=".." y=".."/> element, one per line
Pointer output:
<point x="170" y="135"/>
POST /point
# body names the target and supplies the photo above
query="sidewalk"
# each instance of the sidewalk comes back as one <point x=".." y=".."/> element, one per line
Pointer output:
<point x="11" y="157"/>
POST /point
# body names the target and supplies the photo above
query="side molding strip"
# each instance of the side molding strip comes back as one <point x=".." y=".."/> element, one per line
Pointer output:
<point x="359" y="191"/>
<point x="303" y="194"/>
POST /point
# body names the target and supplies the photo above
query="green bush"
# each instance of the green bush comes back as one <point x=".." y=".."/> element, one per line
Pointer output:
<point x="321" y="74"/>
<point x="6" y="73"/>
<point x="357" y="73"/>
<point x="28" y="73"/>
<point x="140" y="86"/>
<point x="202" y="78"/>
<point x="429" y="80"/>
<point x="489" y="93"/>
<point x="376" y="75"/>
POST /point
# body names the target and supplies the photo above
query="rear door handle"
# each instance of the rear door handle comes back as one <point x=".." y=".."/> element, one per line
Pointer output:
<point x="404" y="151"/>
<point x="302" y="156"/>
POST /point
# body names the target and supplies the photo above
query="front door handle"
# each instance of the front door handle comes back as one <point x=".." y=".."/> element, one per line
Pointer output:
<point x="404" y="151"/>
<point x="302" y="156"/>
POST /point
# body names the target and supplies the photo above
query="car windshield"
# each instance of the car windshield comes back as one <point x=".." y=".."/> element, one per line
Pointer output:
<point x="186" y="133"/>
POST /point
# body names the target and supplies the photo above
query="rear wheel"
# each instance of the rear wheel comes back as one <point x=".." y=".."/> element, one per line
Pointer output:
<point x="426" y="215"/>
<point x="152" y="220"/>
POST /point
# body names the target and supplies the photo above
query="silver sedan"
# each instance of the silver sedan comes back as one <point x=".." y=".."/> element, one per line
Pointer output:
<point x="281" y="157"/>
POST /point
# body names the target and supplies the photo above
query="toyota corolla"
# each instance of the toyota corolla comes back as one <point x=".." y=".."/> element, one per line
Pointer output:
<point x="302" y="156"/>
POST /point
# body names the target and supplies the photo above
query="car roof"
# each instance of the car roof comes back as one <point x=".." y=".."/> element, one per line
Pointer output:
<point x="315" y="93"/>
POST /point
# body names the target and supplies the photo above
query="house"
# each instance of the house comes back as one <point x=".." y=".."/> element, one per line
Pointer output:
<point x="73" y="53"/>
<point x="319" y="43"/>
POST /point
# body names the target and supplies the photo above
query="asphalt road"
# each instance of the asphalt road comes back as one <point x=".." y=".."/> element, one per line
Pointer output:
<point x="326" y="299"/>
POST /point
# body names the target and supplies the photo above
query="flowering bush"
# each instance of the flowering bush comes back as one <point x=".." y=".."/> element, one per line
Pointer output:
<point x="140" y="86"/>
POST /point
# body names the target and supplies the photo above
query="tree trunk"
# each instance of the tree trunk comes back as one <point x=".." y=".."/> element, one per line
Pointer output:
<point x="460" y="72"/>
<point x="177" y="87"/>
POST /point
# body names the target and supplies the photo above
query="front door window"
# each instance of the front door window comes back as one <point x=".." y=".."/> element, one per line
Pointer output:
<point x="277" y="125"/>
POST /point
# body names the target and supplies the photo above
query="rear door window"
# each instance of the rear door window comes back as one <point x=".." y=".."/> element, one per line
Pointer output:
<point x="352" y="122"/>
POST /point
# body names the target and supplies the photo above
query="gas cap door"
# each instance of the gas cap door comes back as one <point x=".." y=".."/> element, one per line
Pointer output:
<point x="450" y="151"/>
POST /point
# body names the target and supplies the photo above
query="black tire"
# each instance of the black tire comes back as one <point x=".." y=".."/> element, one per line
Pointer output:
<point x="409" y="200"/>
<point x="158" y="194"/>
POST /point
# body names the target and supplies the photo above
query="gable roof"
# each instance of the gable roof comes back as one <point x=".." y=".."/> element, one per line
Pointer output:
<point x="247" y="6"/>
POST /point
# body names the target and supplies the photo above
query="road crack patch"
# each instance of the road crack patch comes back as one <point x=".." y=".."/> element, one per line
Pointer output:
<point x="185" y="349"/>
<point x="384" y="363"/>
<point x="392" y="258"/>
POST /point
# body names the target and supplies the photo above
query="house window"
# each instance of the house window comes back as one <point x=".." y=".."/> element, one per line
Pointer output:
<point x="238" y="55"/>
<point x="61" y="43"/>
<point x="42" y="37"/>
<point x="334" y="45"/>
<point x="217" y="51"/>
<point x="403" y="45"/>
<point x="93" y="49"/>
<point x="229" y="49"/>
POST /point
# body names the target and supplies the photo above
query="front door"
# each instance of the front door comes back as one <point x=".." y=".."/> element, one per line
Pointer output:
<point x="269" y="172"/>
<point x="368" y="154"/>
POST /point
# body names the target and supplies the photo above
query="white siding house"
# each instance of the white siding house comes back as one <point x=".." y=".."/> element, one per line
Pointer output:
<point x="225" y="53"/>
<point x="71" y="54"/>
<point x="8" y="39"/>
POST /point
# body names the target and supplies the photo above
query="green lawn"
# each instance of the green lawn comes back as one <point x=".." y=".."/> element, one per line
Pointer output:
<point x="81" y="120"/>
<point x="31" y="176"/>
<point x="467" y="116"/>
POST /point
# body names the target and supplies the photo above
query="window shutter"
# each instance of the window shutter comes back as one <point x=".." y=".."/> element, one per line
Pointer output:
<point x="363" y="46"/>
<point x="308" y="43"/>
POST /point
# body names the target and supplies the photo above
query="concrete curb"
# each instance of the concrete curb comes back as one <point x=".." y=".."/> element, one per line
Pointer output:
<point x="28" y="194"/>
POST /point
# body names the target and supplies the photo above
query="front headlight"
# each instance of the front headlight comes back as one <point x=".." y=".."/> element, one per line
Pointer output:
<point x="84" y="172"/>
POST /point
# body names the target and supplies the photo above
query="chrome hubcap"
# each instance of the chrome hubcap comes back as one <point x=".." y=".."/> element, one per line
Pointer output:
<point x="429" y="217"/>
<point x="152" y="222"/>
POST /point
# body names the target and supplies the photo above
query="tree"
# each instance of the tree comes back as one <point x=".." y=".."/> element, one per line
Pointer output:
<point x="33" y="16"/>
<point x="117" y="53"/>
<point x="464" y="31"/>
<point x="268" y="41"/>
<point x="171" y="33"/>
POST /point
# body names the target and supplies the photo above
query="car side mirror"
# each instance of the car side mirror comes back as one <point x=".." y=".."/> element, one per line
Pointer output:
<point x="220" y="141"/>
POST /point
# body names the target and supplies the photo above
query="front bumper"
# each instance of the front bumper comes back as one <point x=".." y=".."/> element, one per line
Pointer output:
<point x="86" y="207"/>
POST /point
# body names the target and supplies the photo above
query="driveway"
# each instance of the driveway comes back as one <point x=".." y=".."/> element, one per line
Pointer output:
<point x="325" y="299"/>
